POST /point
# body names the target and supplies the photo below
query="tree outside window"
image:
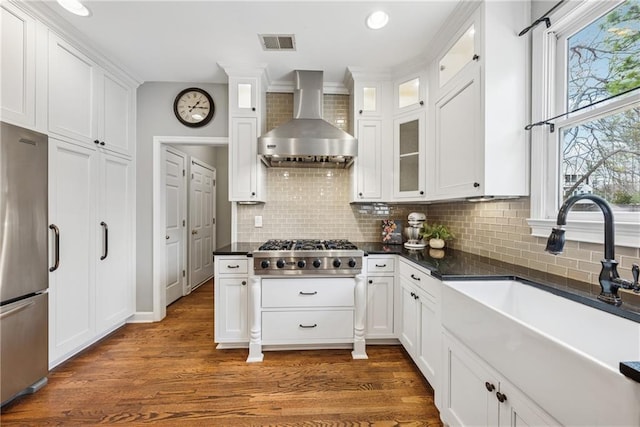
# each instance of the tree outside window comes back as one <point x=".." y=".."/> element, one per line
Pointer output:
<point x="602" y="155"/>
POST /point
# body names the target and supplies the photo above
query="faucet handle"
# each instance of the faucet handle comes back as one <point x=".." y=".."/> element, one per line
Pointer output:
<point x="635" y="272"/>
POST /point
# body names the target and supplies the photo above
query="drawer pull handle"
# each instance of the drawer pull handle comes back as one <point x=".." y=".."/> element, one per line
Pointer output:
<point x="308" y="326"/>
<point x="381" y="265"/>
<point x="415" y="278"/>
<point x="309" y="293"/>
<point x="233" y="266"/>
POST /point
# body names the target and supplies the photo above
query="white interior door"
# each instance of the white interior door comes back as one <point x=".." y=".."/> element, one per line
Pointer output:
<point x="202" y="221"/>
<point x="175" y="208"/>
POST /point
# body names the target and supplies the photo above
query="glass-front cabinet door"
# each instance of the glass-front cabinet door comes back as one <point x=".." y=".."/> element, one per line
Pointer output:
<point x="368" y="99"/>
<point x="243" y="96"/>
<point x="461" y="53"/>
<point x="409" y="93"/>
<point x="409" y="149"/>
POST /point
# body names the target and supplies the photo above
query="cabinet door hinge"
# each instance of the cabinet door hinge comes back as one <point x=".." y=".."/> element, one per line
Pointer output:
<point x="191" y="176"/>
<point x="184" y="273"/>
<point x="213" y="221"/>
<point x="184" y="223"/>
<point x="184" y="173"/>
<point x="214" y="182"/>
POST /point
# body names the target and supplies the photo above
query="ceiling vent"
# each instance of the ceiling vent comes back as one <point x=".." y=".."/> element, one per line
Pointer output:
<point x="278" y="41"/>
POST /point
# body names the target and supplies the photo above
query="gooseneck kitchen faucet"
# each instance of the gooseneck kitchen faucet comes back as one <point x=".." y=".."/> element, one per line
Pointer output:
<point x="609" y="278"/>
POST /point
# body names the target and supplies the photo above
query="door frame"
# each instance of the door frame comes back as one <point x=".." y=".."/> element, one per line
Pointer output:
<point x="195" y="160"/>
<point x="159" y="296"/>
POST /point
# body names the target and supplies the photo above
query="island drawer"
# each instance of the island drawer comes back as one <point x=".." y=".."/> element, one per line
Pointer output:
<point x="308" y="292"/>
<point x="280" y="327"/>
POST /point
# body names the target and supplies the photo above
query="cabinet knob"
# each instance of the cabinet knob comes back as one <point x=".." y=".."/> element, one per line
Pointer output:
<point x="360" y="112"/>
<point x="476" y="57"/>
<point x="101" y="142"/>
<point x="253" y="193"/>
<point x="421" y="102"/>
<point x="421" y="193"/>
<point x="244" y="283"/>
<point x="194" y="232"/>
<point x="166" y="237"/>
<point x="370" y="281"/>
<point x="253" y="108"/>
<point x="359" y="194"/>
<point x="501" y="397"/>
<point x="489" y="386"/>
<point x="95" y="141"/>
<point x="476" y="184"/>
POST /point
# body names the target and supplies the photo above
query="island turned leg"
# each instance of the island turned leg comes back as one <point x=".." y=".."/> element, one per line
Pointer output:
<point x="359" y="345"/>
<point x="255" y="331"/>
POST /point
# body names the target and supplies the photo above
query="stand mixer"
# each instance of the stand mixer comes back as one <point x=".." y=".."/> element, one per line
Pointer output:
<point x="412" y="232"/>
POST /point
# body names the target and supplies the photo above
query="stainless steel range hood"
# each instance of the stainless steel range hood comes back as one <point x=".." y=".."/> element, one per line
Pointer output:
<point x="307" y="140"/>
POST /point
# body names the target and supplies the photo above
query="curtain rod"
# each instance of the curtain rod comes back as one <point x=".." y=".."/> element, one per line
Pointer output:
<point x="544" y="18"/>
<point x="552" y="126"/>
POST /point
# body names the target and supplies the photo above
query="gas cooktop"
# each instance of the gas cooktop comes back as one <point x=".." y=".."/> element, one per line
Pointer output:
<point x="308" y="256"/>
<point x="307" y="245"/>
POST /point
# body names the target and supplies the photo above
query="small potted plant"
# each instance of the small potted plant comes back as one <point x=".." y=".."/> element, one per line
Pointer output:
<point x="436" y="234"/>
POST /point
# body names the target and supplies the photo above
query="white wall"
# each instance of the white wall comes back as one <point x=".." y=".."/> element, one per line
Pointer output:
<point x="155" y="117"/>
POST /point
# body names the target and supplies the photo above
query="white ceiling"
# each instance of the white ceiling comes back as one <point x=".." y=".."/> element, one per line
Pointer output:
<point x="184" y="41"/>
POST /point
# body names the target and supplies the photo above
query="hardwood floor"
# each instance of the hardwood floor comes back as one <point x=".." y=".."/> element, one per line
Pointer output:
<point x="170" y="373"/>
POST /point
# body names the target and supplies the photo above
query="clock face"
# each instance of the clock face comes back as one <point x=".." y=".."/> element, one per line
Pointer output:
<point x="194" y="107"/>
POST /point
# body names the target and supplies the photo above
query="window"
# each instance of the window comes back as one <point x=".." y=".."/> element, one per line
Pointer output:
<point x="590" y="53"/>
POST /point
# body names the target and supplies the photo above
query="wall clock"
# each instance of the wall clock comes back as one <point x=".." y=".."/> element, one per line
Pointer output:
<point x="194" y="107"/>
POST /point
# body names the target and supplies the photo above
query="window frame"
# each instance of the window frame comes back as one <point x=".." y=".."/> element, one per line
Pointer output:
<point x="548" y="100"/>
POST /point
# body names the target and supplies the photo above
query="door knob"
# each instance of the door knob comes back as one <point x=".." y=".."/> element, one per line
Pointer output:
<point x="194" y="232"/>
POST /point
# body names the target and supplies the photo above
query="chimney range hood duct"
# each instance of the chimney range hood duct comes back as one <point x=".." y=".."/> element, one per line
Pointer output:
<point x="307" y="140"/>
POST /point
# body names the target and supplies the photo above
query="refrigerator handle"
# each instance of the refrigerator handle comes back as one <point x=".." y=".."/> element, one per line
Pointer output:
<point x="106" y="240"/>
<point x="56" y="245"/>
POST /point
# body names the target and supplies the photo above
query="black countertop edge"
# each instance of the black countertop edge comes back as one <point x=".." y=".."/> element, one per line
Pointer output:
<point x="631" y="370"/>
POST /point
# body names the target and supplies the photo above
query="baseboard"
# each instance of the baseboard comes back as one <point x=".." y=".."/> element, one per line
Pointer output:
<point x="141" y="317"/>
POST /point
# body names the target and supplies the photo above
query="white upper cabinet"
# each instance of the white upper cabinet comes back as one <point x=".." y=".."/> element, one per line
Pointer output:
<point x="371" y="94"/>
<point x="115" y="124"/>
<point x="18" y="59"/>
<point x="72" y="103"/>
<point x="86" y="103"/>
<point x="479" y="143"/>
<point x="247" y="117"/>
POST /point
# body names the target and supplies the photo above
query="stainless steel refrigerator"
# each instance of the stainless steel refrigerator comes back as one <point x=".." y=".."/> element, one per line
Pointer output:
<point x="24" y="263"/>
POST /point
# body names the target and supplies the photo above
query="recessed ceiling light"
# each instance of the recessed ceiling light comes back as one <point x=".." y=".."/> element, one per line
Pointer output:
<point x="75" y="7"/>
<point x="377" y="20"/>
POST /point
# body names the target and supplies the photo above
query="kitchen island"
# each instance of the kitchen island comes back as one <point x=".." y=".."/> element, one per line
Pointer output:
<point x="454" y="265"/>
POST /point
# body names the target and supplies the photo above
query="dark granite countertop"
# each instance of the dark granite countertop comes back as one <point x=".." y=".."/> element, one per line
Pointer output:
<point x="238" y="248"/>
<point x="450" y="264"/>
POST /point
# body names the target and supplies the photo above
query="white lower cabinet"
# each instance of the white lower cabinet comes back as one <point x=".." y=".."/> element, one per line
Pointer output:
<point x="380" y="296"/>
<point x="473" y="394"/>
<point x="420" y="319"/>
<point x="92" y="291"/>
<point x="231" y="300"/>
